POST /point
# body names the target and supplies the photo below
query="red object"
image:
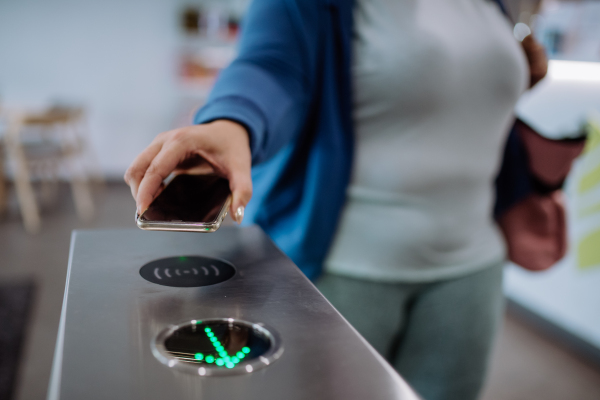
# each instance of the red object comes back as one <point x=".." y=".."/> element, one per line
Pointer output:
<point x="549" y="160"/>
<point x="535" y="229"/>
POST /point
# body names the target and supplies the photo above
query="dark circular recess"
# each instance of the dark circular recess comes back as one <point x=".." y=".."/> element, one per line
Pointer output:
<point x="222" y="344"/>
<point x="187" y="271"/>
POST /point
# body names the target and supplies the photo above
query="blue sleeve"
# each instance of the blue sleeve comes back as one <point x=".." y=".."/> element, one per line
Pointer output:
<point x="269" y="86"/>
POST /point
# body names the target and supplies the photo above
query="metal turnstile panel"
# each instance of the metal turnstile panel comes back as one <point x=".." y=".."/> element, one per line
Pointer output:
<point x="111" y="315"/>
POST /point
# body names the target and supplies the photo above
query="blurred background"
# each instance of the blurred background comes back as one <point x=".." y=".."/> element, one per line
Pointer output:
<point x="86" y="85"/>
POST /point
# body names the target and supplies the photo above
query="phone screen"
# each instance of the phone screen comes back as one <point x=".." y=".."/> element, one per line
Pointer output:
<point x="189" y="198"/>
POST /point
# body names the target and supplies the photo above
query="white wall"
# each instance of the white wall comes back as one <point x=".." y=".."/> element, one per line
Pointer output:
<point x="565" y="295"/>
<point x="570" y="95"/>
<point x="116" y="56"/>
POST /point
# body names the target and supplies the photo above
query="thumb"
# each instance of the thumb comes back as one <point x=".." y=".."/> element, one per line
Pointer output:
<point x="231" y="154"/>
<point x="240" y="184"/>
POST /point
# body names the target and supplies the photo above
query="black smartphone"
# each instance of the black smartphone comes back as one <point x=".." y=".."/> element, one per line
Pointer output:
<point x="191" y="203"/>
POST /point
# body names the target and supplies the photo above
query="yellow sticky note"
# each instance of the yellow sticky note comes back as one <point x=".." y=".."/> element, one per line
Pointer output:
<point x="588" y="250"/>
<point x="591" y="178"/>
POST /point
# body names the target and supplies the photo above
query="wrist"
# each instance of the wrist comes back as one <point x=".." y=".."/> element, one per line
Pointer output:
<point x="233" y="130"/>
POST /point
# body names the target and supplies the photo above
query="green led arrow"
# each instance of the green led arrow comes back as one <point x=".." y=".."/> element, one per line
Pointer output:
<point x="224" y="358"/>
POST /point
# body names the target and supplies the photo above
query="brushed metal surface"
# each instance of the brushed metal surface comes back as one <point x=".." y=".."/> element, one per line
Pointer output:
<point x="111" y="315"/>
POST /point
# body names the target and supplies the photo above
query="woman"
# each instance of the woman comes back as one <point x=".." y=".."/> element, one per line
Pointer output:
<point x="374" y="131"/>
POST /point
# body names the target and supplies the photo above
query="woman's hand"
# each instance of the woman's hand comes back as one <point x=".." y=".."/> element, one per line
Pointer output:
<point x="536" y="57"/>
<point x="223" y="144"/>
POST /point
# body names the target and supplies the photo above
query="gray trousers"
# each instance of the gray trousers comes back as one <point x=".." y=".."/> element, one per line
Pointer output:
<point x="438" y="335"/>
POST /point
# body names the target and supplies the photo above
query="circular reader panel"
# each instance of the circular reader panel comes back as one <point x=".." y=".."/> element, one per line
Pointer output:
<point x="217" y="346"/>
<point x="187" y="271"/>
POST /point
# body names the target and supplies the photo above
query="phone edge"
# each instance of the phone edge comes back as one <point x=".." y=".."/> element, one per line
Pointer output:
<point x="203" y="227"/>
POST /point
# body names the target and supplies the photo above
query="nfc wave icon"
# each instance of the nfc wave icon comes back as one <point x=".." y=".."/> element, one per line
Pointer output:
<point x="187" y="271"/>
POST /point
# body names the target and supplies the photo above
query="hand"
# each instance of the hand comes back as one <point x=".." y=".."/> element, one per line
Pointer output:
<point x="223" y="144"/>
<point x="536" y="56"/>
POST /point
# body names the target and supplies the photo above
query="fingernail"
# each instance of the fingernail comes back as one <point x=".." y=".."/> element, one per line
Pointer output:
<point x="239" y="214"/>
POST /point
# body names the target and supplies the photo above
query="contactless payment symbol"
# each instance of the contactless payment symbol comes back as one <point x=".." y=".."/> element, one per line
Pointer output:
<point x="187" y="271"/>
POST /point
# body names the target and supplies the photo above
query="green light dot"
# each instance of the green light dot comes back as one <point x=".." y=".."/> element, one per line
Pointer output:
<point x="207" y="229"/>
<point x="182" y="258"/>
<point x="220" y="362"/>
<point x="230" y="365"/>
<point x="220" y="348"/>
<point x="207" y="329"/>
<point x="246" y="350"/>
<point x="210" y="359"/>
<point x="235" y="360"/>
<point x="198" y="356"/>
<point x="210" y="334"/>
<point x="240" y="355"/>
<point x="213" y="339"/>
<point x="223" y="354"/>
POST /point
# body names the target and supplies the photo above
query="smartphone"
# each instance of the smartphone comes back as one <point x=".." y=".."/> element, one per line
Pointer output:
<point x="190" y="203"/>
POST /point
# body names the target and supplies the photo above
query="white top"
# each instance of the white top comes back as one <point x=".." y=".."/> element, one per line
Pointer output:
<point x="435" y="83"/>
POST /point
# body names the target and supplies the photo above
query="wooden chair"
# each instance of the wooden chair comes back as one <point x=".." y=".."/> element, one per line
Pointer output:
<point x="45" y="147"/>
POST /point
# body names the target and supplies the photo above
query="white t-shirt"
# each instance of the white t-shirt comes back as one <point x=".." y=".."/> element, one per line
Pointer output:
<point x="435" y="83"/>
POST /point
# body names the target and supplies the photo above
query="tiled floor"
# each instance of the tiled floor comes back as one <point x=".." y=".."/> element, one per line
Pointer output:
<point x="526" y="365"/>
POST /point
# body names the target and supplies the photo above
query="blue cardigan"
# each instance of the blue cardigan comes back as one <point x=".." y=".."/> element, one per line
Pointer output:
<point x="290" y="86"/>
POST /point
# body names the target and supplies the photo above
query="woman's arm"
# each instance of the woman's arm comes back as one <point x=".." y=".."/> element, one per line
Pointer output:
<point x="268" y="87"/>
<point x="258" y="104"/>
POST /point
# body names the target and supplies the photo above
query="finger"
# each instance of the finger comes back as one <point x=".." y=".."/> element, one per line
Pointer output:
<point x="198" y="167"/>
<point x="241" y="193"/>
<point x="138" y="167"/>
<point x="161" y="166"/>
<point x="536" y="57"/>
<point x="240" y="183"/>
<point x="527" y="40"/>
